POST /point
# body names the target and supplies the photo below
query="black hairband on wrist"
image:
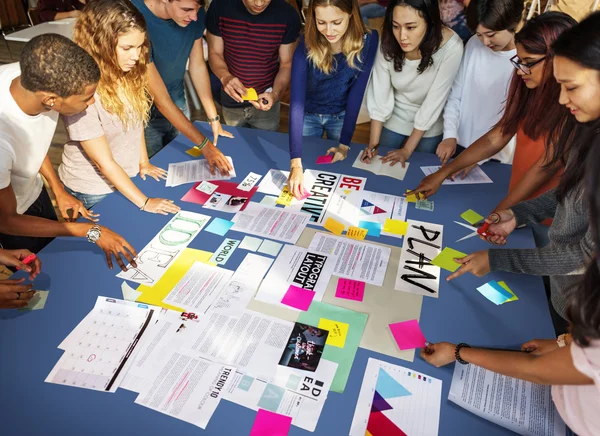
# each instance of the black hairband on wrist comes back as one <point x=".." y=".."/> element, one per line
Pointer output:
<point x="457" y="353"/>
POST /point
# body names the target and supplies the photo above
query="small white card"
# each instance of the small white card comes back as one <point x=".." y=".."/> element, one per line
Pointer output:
<point x="206" y="187"/>
<point x="249" y="182"/>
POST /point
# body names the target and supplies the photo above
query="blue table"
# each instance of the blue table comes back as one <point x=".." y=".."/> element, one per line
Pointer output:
<point x="75" y="272"/>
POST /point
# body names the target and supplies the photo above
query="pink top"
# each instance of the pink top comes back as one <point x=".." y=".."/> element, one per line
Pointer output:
<point x="579" y="405"/>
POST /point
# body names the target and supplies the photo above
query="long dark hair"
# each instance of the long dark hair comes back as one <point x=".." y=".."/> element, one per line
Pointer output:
<point x="496" y="15"/>
<point x="581" y="44"/>
<point x="537" y="111"/>
<point x="429" y="10"/>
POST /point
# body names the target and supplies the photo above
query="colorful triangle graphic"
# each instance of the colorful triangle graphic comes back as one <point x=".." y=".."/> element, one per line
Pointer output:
<point x="388" y="388"/>
<point x="381" y="425"/>
<point x="347" y="191"/>
<point x="379" y="403"/>
<point x="378" y="210"/>
<point x="366" y="203"/>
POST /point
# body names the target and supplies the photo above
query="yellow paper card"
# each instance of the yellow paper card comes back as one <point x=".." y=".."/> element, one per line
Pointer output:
<point x="335" y="227"/>
<point x="357" y="233"/>
<point x="155" y="294"/>
<point x="337" y="332"/>
<point x="194" y="152"/>
<point x="286" y="197"/>
<point x="412" y="198"/>
<point x="505" y="286"/>
<point x="395" y="227"/>
<point x="250" y="95"/>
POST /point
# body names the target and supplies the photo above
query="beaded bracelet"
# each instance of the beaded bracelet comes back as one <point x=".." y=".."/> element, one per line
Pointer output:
<point x="457" y="353"/>
<point x="202" y="144"/>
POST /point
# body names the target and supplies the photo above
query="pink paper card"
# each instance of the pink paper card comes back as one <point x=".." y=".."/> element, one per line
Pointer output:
<point x="350" y="289"/>
<point x="223" y="187"/>
<point x="325" y="159"/>
<point x="271" y="424"/>
<point x="298" y="298"/>
<point x="304" y="195"/>
<point x="408" y="334"/>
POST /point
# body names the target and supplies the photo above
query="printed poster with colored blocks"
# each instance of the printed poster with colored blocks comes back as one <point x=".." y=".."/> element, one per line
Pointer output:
<point x="396" y="401"/>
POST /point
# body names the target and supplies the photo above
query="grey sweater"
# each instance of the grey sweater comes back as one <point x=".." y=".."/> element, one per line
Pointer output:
<point x="570" y="249"/>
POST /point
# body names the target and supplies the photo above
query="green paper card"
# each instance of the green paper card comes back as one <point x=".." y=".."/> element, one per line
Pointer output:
<point x="344" y="357"/>
<point x="446" y="258"/>
<point x="471" y="217"/>
<point x="37" y="302"/>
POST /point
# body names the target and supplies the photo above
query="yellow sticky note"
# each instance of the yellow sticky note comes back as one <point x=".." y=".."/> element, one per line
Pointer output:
<point x="335" y="227"/>
<point x="194" y="152"/>
<point x="395" y="227"/>
<point x="155" y="294"/>
<point x="357" y="233"/>
<point x="337" y="332"/>
<point x="286" y="197"/>
<point x="471" y="217"/>
<point x="250" y="95"/>
<point x="412" y="198"/>
<point x="505" y="286"/>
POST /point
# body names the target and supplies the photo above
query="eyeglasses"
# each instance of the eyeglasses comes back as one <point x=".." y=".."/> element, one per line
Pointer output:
<point x="526" y="68"/>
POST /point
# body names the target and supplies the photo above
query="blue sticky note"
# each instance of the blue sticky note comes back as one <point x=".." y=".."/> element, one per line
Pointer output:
<point x="373" y="228"/>
<point x="219" y="226"/>
<point x="494" y="292"/>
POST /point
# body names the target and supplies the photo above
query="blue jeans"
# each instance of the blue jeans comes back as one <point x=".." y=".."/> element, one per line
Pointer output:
<point x="371" y="10"/>
<point x="88" y="200"/>
<point x="249" y="116"/>
<point x="330" y="124"/>
<point x="392" y="139"/>
<point x="159" y="131"/>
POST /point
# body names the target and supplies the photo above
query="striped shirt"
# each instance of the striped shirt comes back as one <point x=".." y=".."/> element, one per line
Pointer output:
<point x="251" y="42"/>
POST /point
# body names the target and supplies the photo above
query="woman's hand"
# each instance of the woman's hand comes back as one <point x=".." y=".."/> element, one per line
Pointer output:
<point x="217" y="129"/>
<point x="369" y="153"/>
<point x="66" y="201"/>
<point x="14" y="258"/>
<point x="296" y="181"/>
<point x="446" y="149"/>
<point x="477" y="264"/>
<point x="396" y="156"/>
<point x="161" y="206"/>
<point x="147" y="169"/>
<point x="339" y="153"/>
<point x="440" y="354"/>
<point x="502" y="224"/>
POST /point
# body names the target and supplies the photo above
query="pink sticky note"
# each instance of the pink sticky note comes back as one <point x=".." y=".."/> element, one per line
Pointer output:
<point x="298" y="298"/>
<point x="304" y="195"/>
<point x="325" y="159"/>
<point x="408" y="334"/>
<point x="350" y="289"/>
<point x="272" y="424"/>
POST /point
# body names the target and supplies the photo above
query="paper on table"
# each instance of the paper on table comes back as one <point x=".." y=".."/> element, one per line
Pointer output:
<point x="273" y="182"/>
<point x="165" y="247"/>
<point x="408" y="334"/>
<point x="249" y="182"/>
<point x="298" y="298"/>
<point x="267" y="200"/>
<point x="533" y="414"/>
<point x="194" y="171"/>
<point x="269" y="247"/>
<point x="372" y="206"/>
<point x="224" y="252"/>
<point x="356" y="260"/>
<point x="395" y="227"/>
<point x="380" y="168"/>
<point x="412" y="198"/>
<point x="129" y="293"/>
<point x="200" y="286"/>
<point x="446" y="258"/>
<point x="471" y="217"/>
<point x="350" y="289"/>
<point x="475" y="176"/>
<point x="357" y="233"/>
<point x="219" y="226"/>
<point x="270" y="423"/>
<point x="334" y="226"/>
<point x="250" y="243"/>
<point x="395" y="400"/>
<point x="271" y="222"/>
<point x="206" y="187"/>
<point x="226" y="197"/>
<point x="373" y="228"/>
<point x="496" y="293"/>
<point x="338" y="331"/>
<point x="186" y="387"/>
<point x="37" y="302"/>
<point x="344" y="356"/>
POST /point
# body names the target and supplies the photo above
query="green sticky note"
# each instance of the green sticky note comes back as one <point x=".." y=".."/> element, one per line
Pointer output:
<point x="446" y="258"/>
<point x="37" y="302"/>
<point x="343" y="356"/>
<point x="471" y="217"/>
<point x="514" y="297"/>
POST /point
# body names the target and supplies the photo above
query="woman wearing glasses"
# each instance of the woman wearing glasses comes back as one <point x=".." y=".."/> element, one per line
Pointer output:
<point x="532" y="113"/>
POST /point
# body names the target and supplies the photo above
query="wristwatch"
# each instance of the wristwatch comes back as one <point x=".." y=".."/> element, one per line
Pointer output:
<point x="94" y="234"/>
<point x="213" y="119"/>
<point x="561" y="340"/>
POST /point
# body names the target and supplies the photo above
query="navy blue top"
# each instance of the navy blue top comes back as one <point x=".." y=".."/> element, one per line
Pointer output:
<point x="170" y="48"/>
<point x="313" y="91"/>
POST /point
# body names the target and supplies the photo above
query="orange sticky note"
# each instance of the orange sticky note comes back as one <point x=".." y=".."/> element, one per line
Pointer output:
<point x="357" y="233"/>
<point x="395" y="227"/>
<point x="335" y="227"/>
<point x="250" y="95"/>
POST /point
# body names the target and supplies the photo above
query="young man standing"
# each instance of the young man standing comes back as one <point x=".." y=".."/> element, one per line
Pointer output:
<point x="55" y="76"/>
<point x="175" y="29"/>
<point x="251" y="45"/>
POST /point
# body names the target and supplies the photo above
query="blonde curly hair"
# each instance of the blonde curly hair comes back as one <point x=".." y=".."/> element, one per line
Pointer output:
<point x="125" y="94"/>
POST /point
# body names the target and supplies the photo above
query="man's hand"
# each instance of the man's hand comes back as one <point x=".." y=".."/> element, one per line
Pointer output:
<point x="234" y="88"/>
<point x="428" y="186"/>
<point x="477" y="264"/>
<point x="115" y="245"/>
<point x="339" y="153"/>
<point x="446" y="149"/>
<point x="15" y="258"/>
<point x="502" y="224"/>
<point x="217" y="129"/>
<point x="216" y="159"/>
<point x="265" y="101"/>
<point x="66" y="201"/>
<point x="13" y="294"/>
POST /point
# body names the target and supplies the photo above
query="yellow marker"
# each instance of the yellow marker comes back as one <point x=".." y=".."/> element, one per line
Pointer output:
<point x="286" y="197"/>
<point x="357" y="233"/>
<point x="395" y="227"/>
<point x="250" y="95"/>
<point x="338" y="331"/>
<point x="335" y="227"/>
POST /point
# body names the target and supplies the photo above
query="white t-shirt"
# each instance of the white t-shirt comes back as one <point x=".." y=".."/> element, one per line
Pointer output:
<point x="579" y="406"/>
<point x="406" y="100"/>
<point x="24" y="143"/>
<point x="476" y="102"/>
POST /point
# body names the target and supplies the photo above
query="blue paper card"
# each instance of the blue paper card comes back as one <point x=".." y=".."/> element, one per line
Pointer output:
<point x="495" y="293"/>
<point x="373" y="228"/>
<point x="219" y="226"/>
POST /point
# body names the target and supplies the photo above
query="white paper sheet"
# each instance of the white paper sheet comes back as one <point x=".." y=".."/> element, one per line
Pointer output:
<point x="250" y="243"/>
<point x="273" y="182"/>
<point x="380" y="168"/>
<point x="206" y="187"/>
<point x="475" y="176"/>
<point x="187" y="387"/>
<point x="269" y="247"/>
<point x="300" y="267"/>
<point x="356" y="260"/>
<point x="194" y="171"/>
<point x="423" y="242"/>
<point x="129" y="293"/>
<point x="523" y="407"/>
<point x="411" y="400"/>
<point x="249" y="182"/>
<point x="198" y="288"/>
<point x="271" y="222"/>
<point x="268" y="200"/>
<point x="162" y="251"/>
